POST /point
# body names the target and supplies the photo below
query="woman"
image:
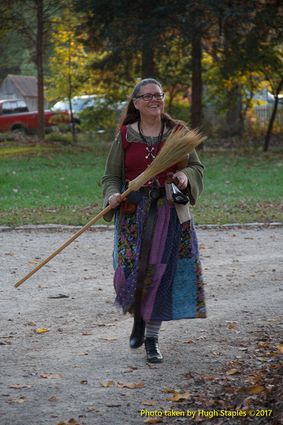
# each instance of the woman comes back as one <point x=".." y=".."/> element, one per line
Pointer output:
<point x="157" y="269"/>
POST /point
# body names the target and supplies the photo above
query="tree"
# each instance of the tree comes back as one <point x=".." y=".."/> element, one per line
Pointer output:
<point x="32" y="20"/>
<point x="119" y="27"/>
<point x="245" y="31"/>
<point x="272" y="70"/>
<point x="174" y="67"/>
<point x="137" y="40"/>
<point x="70" y="73"/>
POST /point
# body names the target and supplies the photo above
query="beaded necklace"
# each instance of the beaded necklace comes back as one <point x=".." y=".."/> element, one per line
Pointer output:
<point x="150" y="149"/>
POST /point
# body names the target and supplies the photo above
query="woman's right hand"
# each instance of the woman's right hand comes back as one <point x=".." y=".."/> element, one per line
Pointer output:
<point x="115" y="200"/>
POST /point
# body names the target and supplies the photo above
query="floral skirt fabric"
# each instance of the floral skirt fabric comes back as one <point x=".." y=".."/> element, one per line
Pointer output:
<point x="173" y="287"/>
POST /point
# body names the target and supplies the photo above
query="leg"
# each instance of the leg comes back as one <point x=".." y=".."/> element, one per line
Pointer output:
<point x="151" y="342"/>
<point x="137" y="335"/>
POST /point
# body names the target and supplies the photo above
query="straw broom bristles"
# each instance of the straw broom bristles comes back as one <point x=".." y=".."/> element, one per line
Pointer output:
<point x="178" y="145"/>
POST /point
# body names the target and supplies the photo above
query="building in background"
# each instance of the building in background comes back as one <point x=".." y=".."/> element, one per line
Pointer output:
<point x="20" y="87"/>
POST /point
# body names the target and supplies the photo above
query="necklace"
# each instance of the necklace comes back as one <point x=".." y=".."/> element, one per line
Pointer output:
<point x="150" y="149"/>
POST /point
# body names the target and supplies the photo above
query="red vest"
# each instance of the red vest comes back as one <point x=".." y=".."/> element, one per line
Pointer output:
<point x="136" y="159"/>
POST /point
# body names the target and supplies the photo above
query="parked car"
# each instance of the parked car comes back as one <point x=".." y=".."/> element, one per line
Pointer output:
<point x="92" y="112"/>
<point x="79" y="103"/>
<point x="264" y="97"/>
<point x="15" y="116"/>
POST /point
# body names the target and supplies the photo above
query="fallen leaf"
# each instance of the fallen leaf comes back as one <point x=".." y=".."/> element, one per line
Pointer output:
<point x="233" y="372"/>
<point x="86" y="333"/>
<point x="6" y="340"/>
<point x="280" y="348"/>
<point x="153" y="421"/>
<point x="51" y="375"/>
<point x="232" y="326"/>
<point x="179" y="396"/>
<point x="256" y="389"/>
<point x="16" y="400"/>
<point x="41" y="330"/>
<point x="110" y="338"/>
<point x="105" y="324"/>
<point x="83" y="382"/>
<point x="91" y="409"/>
<point x="113" y="404"/>
<point x="149" y="403"/>
<point x="72" y="421"/>
<point x="168" y="390"/>
<point x="106" y="384"/>
<point x="130" y="369"/>
<point x="255" y="378"/>
<point x="188" y="341"/>
<point x="55" y="297"/>
<point x="130" y="385"/>
<point x="53" y="398"/>
<point x="263" y="344"/>
<point x="30" y="324"/>
<point x="34" y="262"/>
<point x="19" y="386"/>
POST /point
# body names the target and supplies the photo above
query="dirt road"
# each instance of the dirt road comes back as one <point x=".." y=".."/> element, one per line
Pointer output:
<point x="82" y="371"/>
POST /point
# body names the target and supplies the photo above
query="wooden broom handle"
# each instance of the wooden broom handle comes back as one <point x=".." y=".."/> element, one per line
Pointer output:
<point x="72" y="238"/>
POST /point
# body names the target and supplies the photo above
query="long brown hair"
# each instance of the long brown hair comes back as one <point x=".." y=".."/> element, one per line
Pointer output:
<point x="133" y="115"/>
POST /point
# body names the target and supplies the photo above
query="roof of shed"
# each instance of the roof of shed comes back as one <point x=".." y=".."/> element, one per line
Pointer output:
<point x="27" y="86"/>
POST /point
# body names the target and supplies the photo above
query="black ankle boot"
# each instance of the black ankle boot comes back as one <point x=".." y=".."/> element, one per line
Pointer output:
<point x="152" y="350"/>
<point x="137" y="335"/>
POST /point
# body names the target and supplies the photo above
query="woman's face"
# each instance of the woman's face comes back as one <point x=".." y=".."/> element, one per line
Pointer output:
<point x="150" y="107"/>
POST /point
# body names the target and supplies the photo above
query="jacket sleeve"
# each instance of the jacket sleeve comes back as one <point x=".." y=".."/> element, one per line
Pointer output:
<point x="113" y="174"/>
<point x="194" y="172"/>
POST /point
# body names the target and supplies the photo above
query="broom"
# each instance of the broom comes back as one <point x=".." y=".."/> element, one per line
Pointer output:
<point x="175" y="149"/>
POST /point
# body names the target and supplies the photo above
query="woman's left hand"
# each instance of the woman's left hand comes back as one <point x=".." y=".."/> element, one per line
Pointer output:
<point x="181" y="180"/>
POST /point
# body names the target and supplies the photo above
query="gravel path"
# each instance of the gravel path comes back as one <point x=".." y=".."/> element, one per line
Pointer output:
<point x="82" y="367"/>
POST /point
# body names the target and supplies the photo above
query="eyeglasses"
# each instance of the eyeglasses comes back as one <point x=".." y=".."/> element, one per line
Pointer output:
<point x="149" y="96"/>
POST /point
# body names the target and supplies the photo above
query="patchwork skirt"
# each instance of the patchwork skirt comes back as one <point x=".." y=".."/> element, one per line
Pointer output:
<point x="173" y="287"/>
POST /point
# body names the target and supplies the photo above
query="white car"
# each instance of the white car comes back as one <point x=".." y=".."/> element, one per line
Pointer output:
<point x="79" y="103"/>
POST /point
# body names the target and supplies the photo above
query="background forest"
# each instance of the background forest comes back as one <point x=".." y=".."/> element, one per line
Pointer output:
<point x="220" y="62"/>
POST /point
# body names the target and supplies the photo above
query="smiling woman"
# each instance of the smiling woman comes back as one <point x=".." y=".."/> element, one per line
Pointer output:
<point x="157" y="269"/>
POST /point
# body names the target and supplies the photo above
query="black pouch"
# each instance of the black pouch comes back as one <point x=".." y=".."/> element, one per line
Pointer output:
<point x="134" y="197"/>
<point x="129" y="206"/>
<point x="178" y="196"/>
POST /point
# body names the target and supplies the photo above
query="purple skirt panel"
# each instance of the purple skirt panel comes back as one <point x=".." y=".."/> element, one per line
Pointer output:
<point x="173" y="287"/>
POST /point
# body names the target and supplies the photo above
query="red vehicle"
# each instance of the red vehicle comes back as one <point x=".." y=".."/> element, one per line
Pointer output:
<point x="15" y="116"/>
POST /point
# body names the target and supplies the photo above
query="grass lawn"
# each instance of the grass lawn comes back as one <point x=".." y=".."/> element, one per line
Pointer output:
<point x="53" y="183"/>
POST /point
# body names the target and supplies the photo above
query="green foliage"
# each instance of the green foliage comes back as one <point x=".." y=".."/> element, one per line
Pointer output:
<point x="98" y="118"/>
<point x="181" y="111"/>
<point x="52" y="183"/>
<point x="68" y="65"/>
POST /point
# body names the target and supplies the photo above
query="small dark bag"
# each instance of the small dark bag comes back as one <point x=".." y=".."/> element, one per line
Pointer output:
<point x="130" y="205"/>
<point x="178" y="196"/>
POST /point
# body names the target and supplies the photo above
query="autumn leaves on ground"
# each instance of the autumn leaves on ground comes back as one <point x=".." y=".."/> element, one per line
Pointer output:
<point x="64" y="346"/>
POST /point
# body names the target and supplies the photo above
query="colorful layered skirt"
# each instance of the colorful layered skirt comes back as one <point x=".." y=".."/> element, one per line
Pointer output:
<point x="173" y="286"/>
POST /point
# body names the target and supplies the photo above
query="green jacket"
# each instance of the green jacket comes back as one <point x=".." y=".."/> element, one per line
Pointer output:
<point x="113" y="178"/>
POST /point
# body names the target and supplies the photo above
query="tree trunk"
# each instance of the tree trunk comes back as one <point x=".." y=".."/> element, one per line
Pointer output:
<point x="40" y="74"/>
<point x="272" y="118"/>
<point x="70" y="93"/>
<point x="234" y="116"/>
<point x="196" y="81"/>
<point x="147" y="57"/>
